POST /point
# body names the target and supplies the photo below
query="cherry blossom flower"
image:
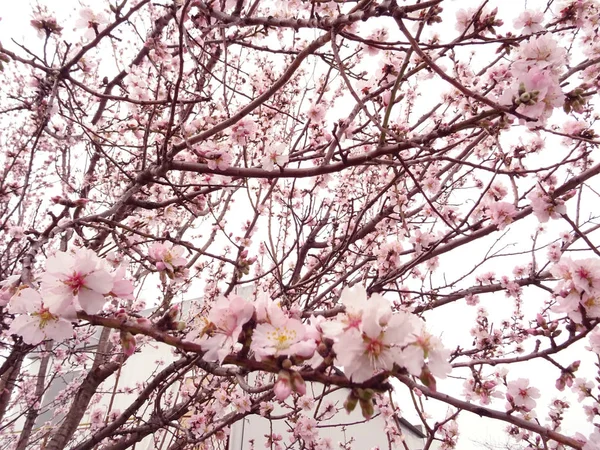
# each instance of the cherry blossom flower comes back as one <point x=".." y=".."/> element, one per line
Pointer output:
<point x="388" y="256"/>
<point x="316" y="114"/>
<point x="355" y="302"/>
<point x="420" y="240"/>
<point x="35" y="323"/>
<point x="243" y="131"/>
<point x="166" y="256"/>
<point x="537" y="93"/>
<point x="521" y="395"/>
<point x="377" y="346"/>
<point x="426" y="347"/>
<point x="220" y="160"/>
<point x="594" y="338"/>
<point x="540" y="52"/>
<point x="530" y="21"/>
<point x="74" y="282"/>
<point x="8" y="288"/>
<point x="593" y="443"/>
<point x="275" y="156"/>
<point x="281" y="335"/>
<point x="91" y="21"/>
<point x="225" y="322"/>
<point x="501" y="213"/>
<point x="544" y="207"/>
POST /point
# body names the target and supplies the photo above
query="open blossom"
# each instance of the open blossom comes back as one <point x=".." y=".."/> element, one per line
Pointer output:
<point x="541" y="52"/>
<point x="220" y="160"/>
<point x="594" y="337"/>
<point x="420" y="240"/>
<point x="281" y="335"/>
<point x="388" y="256"/>
<point x="166" y="256"/>
<point x="275" y="156"/>
<point x="90" y="21"/>
<point x="544" y="207"/>
<point x="426" y="347"/>
<point x="8" y="288"/>
<point x="74" y="282"/>
<point x="522" y="395"/>
<point x="225" y="322"/>
<point x="530" y="21"/>
<point x="355" y="302"/>
<point x="35" y="322"/>
<point x="593" y="442"/>
<point x="316" y="113"/>
<point x="501" y="213"/>
<point x="243" y="131"/>
<point x="376" y="346"/>
<point x="579" y="287"/>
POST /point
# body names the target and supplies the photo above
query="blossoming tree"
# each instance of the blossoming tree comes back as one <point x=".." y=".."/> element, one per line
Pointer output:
<point x="361" y="168"/>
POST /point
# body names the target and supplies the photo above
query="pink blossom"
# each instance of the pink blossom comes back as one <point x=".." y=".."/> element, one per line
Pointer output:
<point x="594" y="338"/>
<point x="281" y="335"/>
<point x="388" y="256"/>
<point x="76" y="281"/>
<point x="377" y="346"/>
<point x="225" y="321"/>
<point x="544" y="207"/>
<point x="316" y="113"/>
<point x="542" y="53"/>
<point x="91" y="21"/>
<point x="521" y="395"/>
<point x="530" y="21"/>
<point x="35" y="322"/>
<point x="593" y="443"/>
<point x="355" y="302"/>
<point x="166" y="256"/>
<point x="274" y="157"/>
<point x="8" y="288"/>
<point x="243" y="131"/>
<point x="501" y="213"/>
<point x="426" y="347"/>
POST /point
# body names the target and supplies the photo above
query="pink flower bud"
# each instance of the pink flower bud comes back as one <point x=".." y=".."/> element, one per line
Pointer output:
<point x="298" y="383"/>
<point x="128" y="343"/>
<point x="283" y="386"/>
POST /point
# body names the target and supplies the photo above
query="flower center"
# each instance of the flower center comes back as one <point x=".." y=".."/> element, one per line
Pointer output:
<point x="76" y="281"/>
<point x="282" y="338"/>
<point x="374" y="347"/>
<point x="45" y="316"/>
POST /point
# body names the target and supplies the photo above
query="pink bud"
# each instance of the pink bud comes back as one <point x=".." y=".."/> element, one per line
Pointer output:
<point x="540" y="320"/>
<point x="283" y="386"/>
<point x="128" y="343"/>
<point x="298" y="383"/>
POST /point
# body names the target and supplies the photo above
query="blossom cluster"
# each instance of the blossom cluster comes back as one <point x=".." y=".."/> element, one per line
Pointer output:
<point x="536" y="69"/>
<point x="368" y="337"/>
<point x="72" y="282"/>
<point x="578" y="291"/>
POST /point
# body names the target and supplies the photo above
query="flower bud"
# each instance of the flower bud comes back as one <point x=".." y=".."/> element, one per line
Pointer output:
<point x="298" y="383"/>
<point x="283" y="387"/>
<point x="286" y="364"/>
<point x="127" y="343"/>
<point x="350" y="403"/>
<point x="427" y="379"/>
<point x="525" y="97"/>
<point x="367" y="408"/>
<point x="322" y="349"/>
